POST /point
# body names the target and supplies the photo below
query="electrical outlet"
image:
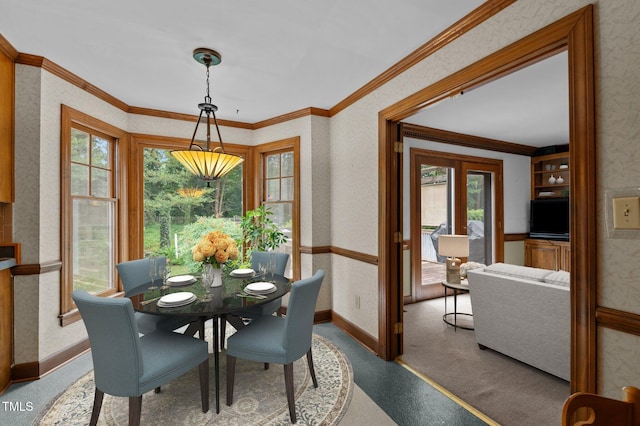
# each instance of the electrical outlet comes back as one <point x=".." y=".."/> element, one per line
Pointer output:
<point x="626" y="212"/>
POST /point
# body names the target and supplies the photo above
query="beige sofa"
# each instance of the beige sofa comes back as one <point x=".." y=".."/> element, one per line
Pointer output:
<point x="523" y="312"/>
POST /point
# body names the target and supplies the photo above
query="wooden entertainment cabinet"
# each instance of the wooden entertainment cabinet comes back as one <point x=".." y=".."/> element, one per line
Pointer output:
<point x="547" y="254"/>
<point x="546" y="171"/>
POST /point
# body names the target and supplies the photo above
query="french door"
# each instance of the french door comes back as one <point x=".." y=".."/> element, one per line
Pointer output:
<point x="452" y="194"/>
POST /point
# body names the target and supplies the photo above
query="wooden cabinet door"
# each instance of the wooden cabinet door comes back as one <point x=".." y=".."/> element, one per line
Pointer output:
<point x="565" y="260"/>
<point x="541" y="254"/>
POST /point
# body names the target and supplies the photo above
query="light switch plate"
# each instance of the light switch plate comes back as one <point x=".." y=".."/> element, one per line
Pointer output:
<point x="626" y="212"/>
<point x="622" y="212"/>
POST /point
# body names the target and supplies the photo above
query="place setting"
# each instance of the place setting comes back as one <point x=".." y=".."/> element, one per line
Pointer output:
<point x="173" y="300"/>
<point x="243" y="273"/>
<point x="181" y="280"/>
<point x="258" y="290"/>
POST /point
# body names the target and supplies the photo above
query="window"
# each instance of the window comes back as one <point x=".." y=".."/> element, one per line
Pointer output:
<point x="280" y="189"/>
<point x="179" y="208"/>
<point x="89" y="209"/>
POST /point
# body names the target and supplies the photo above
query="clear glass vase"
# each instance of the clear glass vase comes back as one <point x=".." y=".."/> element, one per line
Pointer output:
<point x="214" y="274"/>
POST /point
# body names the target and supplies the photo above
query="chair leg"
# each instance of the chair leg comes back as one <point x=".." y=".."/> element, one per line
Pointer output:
<point x="157" y="390"/>
<point x="231" y="371"/>
<point x="135" y="410"/>
<point x="266" y="365"/>
<point x="288" y="383"/>
<point x="312" y="371"/>
<point x="204" y="384"/>
<point x="97" y="405"/>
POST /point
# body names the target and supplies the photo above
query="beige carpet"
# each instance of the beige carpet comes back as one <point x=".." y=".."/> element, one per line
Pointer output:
<point x="259" y="397"/>
<point x="507" y="391"/>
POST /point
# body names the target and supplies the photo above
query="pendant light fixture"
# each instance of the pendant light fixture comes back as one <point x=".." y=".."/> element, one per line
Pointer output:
<point x="206" y="162"/>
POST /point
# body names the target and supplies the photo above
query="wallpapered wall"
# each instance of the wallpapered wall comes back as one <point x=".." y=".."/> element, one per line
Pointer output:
<point x="39" y="96"/>
<point x="354" y="139"/>
<point x="341" y="156"/>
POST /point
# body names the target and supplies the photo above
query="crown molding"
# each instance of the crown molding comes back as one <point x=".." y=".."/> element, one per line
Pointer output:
<point x="469" y="141"/>
<point x="57" y="70"/>
<point x="185" y="117"/>
<point x="7" y="48"/>
<point x="291" y="116"/>
<point x="467" y="23"/>
<point x="473" y="19"/>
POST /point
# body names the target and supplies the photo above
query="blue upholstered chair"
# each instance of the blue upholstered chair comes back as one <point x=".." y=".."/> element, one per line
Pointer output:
<point x="127" y="365"/>
<point x="257" y="258"/>
<point x="280" y="340"/>
<point x="263" y="257"/>
<point x="135" y="280"/>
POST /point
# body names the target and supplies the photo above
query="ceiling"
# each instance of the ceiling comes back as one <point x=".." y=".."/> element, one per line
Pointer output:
<point x="528" y="107"/>
<point x="278" y="56"/>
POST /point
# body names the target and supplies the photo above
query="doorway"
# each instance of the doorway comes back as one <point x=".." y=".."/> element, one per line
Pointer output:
<point x="451" y="194"/>
<point x="573" y="33"/>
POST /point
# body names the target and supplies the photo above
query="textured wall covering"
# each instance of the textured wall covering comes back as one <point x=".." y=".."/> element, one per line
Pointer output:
<point x="39" y="95"/>
<point x="149" y="125"/>
<point x="354" y="137"/>
<point x="314" y="197"/>
<point x="618" y="355"/>
<point x="339" y="167"/>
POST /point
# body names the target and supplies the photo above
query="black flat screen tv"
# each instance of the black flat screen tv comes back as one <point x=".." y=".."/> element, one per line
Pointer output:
<point x="549" y="219"/>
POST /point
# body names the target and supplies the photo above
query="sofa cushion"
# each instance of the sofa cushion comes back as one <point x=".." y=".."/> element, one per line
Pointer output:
<point x="558" y="278"/>
<point x="525" y="272"/>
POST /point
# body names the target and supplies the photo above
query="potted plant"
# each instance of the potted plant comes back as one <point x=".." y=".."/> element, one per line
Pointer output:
<point x="259" y="232"/>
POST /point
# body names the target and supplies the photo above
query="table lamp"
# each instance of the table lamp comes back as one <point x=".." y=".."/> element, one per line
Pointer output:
<point x="454" y="247"/>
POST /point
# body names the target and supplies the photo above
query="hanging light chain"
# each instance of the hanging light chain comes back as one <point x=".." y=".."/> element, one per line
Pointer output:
<point x="207" y="98"/>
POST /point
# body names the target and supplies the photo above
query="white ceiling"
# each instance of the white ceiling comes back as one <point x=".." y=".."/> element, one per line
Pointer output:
<point x="529" y="107"/>
<point x="278" y="56"/>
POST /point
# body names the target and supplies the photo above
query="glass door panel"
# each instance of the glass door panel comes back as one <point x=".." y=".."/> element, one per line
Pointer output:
<point x="435" y="220"/>
<point x="479" y="217"/>
<point x="449" y="196"/>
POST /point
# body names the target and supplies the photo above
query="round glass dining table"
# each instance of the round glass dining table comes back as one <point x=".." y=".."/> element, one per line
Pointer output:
<point x="216" y="303"/>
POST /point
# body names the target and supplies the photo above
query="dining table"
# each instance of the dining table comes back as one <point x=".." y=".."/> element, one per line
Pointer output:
<point x="211" y="303"/>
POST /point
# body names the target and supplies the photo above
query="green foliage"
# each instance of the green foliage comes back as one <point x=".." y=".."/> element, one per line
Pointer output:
<point x="476" y="214"/>
<point x="167" y="211"/>
<point x="165" y="231"/>
<point x="259" y="231"/>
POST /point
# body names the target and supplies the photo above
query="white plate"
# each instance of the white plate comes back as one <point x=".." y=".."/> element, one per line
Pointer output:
<point x="260" y="288"/>
<point x="173" y="298"/>
<point x="181" y="279"/>
<point x="243" y="272"/>
<point x="174" y="305"/>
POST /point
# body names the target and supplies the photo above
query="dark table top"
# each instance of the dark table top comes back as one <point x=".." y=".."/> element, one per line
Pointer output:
<point x="225" y="298"/>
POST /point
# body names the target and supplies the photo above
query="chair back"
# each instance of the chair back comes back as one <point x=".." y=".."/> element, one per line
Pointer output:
<point x="258" y="257"/>
<point x="115" y="342"/>
<point x="135" y="275"/>
<point x="300" y="312"/>
<point x="583" y="408"/>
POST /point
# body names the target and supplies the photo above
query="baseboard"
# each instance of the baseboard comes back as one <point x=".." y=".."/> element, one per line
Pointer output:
<point x="34" y="370"/>
<point x="356" y="332"/>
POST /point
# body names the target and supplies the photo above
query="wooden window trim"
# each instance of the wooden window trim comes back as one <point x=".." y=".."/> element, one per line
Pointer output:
<point x="290" y="144"/>
<point x="70" y="118"/>
<point x="135" y="194"/>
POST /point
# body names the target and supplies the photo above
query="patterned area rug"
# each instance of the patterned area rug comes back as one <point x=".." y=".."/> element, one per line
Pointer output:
<point x="259" y="396"/>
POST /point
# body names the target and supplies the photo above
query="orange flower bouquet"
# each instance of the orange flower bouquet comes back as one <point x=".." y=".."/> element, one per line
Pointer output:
<point x="215" y="248"/>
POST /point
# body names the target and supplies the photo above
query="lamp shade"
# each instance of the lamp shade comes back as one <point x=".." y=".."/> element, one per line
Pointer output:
<point x="453" y="245"/>
<point x="207" y="165"/>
